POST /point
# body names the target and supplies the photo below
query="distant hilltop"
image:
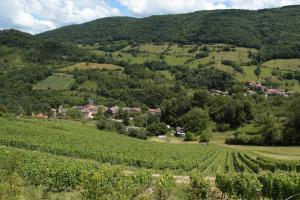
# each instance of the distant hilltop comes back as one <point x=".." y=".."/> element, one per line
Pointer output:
<point x="275" y="31"/>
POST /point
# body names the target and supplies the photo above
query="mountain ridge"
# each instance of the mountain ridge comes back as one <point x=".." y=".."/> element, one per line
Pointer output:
<point x="275" y="31"/>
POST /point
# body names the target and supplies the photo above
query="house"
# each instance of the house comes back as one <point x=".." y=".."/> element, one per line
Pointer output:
<point x="133" y="110"/>
<point x="156" y="111"/>
<point x="40" y="116"/>
<point x="252" y="85"/>
<point x="180" y="132"/>
<point x="274" y="92"/>
<point x="88" y="110"/>
<point x="112" y="111"/>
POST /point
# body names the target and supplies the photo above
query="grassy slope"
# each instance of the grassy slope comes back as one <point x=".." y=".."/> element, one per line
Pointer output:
<point x="178" y="55"/>
<point x="55" y="82"/>
<point x="288" y="153"/>
<point x="86" y="66"/>
<point x="285" y="64"/>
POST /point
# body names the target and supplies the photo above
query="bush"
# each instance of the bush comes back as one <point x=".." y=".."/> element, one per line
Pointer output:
<point x="110" y="183"/>
<point x="108" y="125"/>
<point x="223" y="127"/>
<point x="10" y="186"/>
<point x="189" y="136"/>
<point x="74" y="113"/>
<point x="201" y="55"/>
<point x="157" y="128"/>
<point x="243" y="186"/>
<point x="279" y="186"/>
<point x="233" y="64"/>
<point x="164" y="187"/>
<point x="137" y="133"/>
<point x="205" y="137"/>
<point x="198" y="188"/>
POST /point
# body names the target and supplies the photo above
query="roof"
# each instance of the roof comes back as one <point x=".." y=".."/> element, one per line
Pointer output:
<point x="88" y="108"/>
<point x="41" y="116"/>
<point x="156" y="110"/>
<point x="133" y="109"/>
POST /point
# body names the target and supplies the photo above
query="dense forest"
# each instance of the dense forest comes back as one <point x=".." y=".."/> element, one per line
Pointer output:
<point x="274" y="31"/>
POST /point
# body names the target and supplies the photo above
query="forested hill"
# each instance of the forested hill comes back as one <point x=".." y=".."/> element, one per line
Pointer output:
<point x="276" y="31"/>
<point x="26" y="48"/>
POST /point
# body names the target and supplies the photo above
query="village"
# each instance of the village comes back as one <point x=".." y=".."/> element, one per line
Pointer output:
<point x="91" y="111"/>
<point x="254" y="88"/>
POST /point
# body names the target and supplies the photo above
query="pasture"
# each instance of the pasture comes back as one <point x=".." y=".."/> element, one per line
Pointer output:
<point x="88" y="66"/>
<point x="284" y="64"/>
<point x="55" y="82"/>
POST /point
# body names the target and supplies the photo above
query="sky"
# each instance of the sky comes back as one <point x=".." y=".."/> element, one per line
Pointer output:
<point x="36" y="16"/>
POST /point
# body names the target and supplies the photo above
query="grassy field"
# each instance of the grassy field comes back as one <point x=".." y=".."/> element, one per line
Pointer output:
<point x="285" y="64"/>
<point x="55" y="82"/>
<point x="287" y="153"/>
<point x="88" y="85"/>
<point x="86" y="66"/>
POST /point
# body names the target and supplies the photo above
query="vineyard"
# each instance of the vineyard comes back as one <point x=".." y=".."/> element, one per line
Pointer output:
<point x="58" y="174"/>
<point x="73" y="139"/>
<point x="68" y="156"/>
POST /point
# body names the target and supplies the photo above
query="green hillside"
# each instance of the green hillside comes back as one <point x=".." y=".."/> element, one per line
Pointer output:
<point x="275" y="31"/>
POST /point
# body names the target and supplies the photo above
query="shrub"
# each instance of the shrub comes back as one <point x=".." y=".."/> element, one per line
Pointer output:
<point x="243" y="186"/>
<point x="164" y="187"/>
<point x="110" y="183"/>
<point x="201" y="55"/>
<point x="157" y="128"/>
<point x="279" y="186"/>
<point x="189" y="136"/>
<point x="205" y="137"/>
<point x="198" y="188"/>
<point x="221" y="127"/>
<point x="136" y="133"/>
<point x="74" y="113"/>
<point x="233" y="64"/>
<point x="108" y="125"/>
<point x="10" y="186"/>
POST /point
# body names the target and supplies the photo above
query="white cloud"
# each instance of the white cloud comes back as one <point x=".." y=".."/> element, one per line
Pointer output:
<point x="35" y="16"/>
<point x="253" y="5"/>
<point x="150" y="7"/>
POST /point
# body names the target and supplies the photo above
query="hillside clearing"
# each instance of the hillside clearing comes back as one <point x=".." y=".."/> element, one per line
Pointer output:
<point x="87" y="66"/>
<point x="55" y="82"/>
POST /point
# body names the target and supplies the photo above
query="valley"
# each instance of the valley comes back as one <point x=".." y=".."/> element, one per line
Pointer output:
<point x="202" y="105"/>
